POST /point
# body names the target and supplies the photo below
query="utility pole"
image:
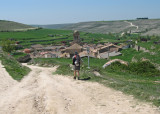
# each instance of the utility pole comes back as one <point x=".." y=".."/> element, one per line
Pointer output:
<point x="88" y="51"/>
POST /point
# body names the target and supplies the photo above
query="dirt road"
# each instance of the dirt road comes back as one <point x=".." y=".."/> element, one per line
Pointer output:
<point x="131" y="24"/>
<point x="42" y="92"/>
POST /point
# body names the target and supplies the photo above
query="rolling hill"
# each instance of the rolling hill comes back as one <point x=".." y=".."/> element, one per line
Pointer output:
<point x="144" y="26"/>
<point x="53" y="26"/>
<point x="13" y="26"/>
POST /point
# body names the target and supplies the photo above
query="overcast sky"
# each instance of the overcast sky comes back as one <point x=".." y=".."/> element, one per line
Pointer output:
<point x="71" y="11"/>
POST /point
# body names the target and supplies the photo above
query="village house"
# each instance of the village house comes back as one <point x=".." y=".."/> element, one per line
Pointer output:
<point x="106" y="51"/>
<point x="73" y="48"/>
<point x="46" y="52"/>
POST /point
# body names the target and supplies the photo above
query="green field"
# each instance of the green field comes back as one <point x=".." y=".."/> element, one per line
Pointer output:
<point x="41" y="36"/>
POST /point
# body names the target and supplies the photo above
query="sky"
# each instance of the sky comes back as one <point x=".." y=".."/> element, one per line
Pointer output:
<point x="73" y="11"/>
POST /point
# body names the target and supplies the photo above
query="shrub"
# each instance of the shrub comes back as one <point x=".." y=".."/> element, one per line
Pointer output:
<point x="144" y="68"/>
<point x="8" y="46"/>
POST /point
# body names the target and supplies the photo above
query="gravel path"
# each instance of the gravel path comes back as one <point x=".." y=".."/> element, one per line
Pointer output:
<point x="41" y="92"/>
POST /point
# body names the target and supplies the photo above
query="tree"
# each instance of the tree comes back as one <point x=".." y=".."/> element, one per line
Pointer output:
<point x="8" y="46"/>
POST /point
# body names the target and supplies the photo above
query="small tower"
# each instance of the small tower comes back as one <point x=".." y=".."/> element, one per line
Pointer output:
<point x="76" y="37"/>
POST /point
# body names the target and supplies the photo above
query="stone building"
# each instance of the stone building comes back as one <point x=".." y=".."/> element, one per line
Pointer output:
<point x="72" y="49"/>
<point x="76" y="37"/>
<point x="108" y="48"/>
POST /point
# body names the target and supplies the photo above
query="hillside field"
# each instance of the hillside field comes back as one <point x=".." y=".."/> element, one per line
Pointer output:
<point x="145" y="26"/>
<point x="14" y="26"/>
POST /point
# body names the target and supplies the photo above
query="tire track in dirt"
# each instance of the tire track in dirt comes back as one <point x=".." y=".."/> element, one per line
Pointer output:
<point x="41" y="92"/>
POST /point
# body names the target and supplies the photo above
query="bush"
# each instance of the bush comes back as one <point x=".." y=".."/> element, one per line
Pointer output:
<point x="118" y="66"/>
<point x="144" y="68"/>
<point x="8" y="46"/>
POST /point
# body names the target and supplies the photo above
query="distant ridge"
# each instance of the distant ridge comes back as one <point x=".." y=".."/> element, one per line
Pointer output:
<point x="13" y="26"/>
<point x="53" y="26"/>
<point x="144" y="26"/>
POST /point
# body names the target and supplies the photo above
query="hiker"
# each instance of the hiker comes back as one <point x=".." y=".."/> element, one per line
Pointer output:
<point x="76" y="64"/>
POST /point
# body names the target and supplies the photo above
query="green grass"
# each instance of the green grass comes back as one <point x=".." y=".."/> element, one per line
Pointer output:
<point x="127" y="54"/>
<point x="143" y="88"/>
<point x="14" y="68"/>
<point x="130" y="54"/>
<point x="17" y="55"/>
<point x="153" y="58"/>
<point x="51" y="61"/>
<point x="26" y="37"/>
<point x="33" y="34"/>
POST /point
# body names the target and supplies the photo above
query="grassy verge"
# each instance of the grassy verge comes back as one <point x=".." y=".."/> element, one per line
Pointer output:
<point x="14" y="68"/>
<point x="141" y="86"/>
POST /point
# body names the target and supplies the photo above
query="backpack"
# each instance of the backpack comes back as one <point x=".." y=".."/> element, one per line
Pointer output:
<point x="77" y="61"/>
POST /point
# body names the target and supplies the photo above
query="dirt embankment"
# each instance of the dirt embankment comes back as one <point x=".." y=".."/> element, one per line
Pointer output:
<point x="41" y="92"/>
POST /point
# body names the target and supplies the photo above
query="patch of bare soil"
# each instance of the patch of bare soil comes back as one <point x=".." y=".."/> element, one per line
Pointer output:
<point x="41" y="92"/>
